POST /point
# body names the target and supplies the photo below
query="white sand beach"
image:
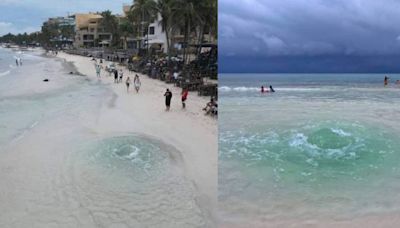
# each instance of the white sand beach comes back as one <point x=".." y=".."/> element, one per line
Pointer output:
<point x="78" y="152"/>
<point x="190" y="131"/>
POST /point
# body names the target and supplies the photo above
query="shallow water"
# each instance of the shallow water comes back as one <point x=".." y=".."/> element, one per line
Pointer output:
<point x="58" y="170"/>
<point x="140" y="178"/>
<point x="323" y="148"/>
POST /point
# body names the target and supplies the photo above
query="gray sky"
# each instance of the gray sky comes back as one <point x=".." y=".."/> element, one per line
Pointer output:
<point x="17" y="16"/>
<point x="271" y="28"/>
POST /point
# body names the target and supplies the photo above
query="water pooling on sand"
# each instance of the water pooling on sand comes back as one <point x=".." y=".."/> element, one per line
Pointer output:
<point x="58" y="171"/>
<point x="309" y="151"/>
<point x="141" y="180"/>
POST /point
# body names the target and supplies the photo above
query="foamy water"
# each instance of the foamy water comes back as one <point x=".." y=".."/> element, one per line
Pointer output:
<point x="58" y="170"/>
<point x="308" y="152"/>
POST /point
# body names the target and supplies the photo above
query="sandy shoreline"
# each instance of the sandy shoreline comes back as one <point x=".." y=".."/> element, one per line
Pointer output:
<point x="190" y="131"/>
<point x="389" y="220"/>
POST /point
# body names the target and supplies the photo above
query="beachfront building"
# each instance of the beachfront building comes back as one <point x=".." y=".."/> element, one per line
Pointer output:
<point x="61" y="21"/>
<point x="59" y="31"/>
<point x="89" y="32"/>
<point x="153" y="36"/>
<point x="150" y="36"/>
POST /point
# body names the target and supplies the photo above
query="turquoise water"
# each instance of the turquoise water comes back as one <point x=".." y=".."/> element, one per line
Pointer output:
<point x="141" y="178"/>
<point x="326" y="146"/>
<point x="140" y="157"/>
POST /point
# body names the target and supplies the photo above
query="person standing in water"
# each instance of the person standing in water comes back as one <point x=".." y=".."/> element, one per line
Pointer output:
<point x="127" y="82"/>
<point x="262" y="89"/>
<point x="137" y="83"/>
<point x="185" y="93"/>
<point x="168" y="97"/>
<point x="17" y="62"/>
<point x="271" y="89"/>
<point x="385" y="81"/>
<point x="20" y="61"/>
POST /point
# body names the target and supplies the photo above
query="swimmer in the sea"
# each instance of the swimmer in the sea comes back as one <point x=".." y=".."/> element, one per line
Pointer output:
<point x="271" y="89"/>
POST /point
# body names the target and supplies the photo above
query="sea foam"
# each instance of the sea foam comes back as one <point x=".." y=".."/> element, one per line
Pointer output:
<point x="2" y="74"/>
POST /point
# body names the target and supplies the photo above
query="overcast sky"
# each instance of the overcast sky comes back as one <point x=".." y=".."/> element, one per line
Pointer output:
<point x="279" y="31"/>
<point x="17" y="16"/>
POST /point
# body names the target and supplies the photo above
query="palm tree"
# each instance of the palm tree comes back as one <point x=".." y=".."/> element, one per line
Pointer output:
<point x="164" y="9"/>
<point x="208" y="20"/>
<point x="214" y="19"/>
<point x="125" y="29"/>
<point x="110" y="24"/>
<point x="145" y="13"/>
<point x="186" y="14"/>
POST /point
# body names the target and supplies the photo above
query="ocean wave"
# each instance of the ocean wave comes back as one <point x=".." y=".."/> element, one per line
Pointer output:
<point x="247" y="89"/>
<point x="239" y="89"/>
<point x="4" y="73"/>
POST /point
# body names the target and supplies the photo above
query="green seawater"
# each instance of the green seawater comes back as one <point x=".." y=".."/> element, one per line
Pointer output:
<point x="143" y="177"/>
<point x="313" y="154"/>
<point x="329" y="149"/>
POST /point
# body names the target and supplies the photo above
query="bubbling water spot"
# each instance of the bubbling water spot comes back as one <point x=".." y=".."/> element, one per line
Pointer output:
<point x="137" y="180"/>
<point x="140" y="157"/>
<point x="328" y="139"/>
<point x="318" y="152"/>
<point x="327" y="143"/>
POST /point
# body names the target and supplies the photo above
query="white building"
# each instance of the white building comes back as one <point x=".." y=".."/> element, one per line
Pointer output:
<point x="154" y="36"/>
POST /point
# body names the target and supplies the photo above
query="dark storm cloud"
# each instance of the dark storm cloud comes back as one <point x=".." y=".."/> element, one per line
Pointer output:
<point x="308" y="28"/>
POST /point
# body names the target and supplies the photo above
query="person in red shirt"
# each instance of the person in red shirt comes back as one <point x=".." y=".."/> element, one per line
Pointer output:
<point x="185" y="93"/>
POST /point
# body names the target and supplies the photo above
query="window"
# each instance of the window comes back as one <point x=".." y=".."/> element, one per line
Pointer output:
<point x="151" y="30"/>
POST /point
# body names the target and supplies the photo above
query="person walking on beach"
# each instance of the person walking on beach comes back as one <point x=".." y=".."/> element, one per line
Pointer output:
<point x="20" y="61"/>
<point x="115" y="76"/>
<point x="176" y="75"/>
<point x="168" y="97"/>
<point x="185" y="93"/>
<point x="137" y="83"/>
<point x="16" y="62"/>
<point x="98" y="70"/>
<point x="121" y="75"/>
<point x="385" y="81"/>
<point x="127" y="82"/>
